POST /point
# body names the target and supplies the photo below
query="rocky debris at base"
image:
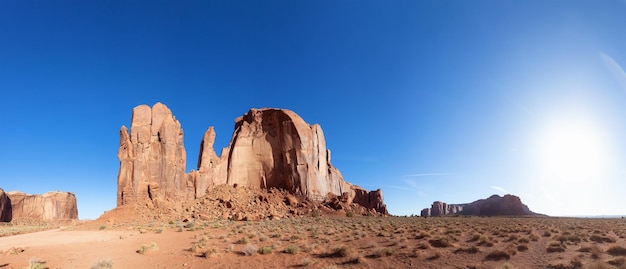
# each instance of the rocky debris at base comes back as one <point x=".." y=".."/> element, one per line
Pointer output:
<point x="237" y="203"/>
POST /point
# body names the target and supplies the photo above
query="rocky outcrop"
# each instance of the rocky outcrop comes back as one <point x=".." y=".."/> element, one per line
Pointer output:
<point x="508" y="205"/>
<point x="152" y="157"/>
<point x="372" y="199"/>
<point x="425" y="212"/>
<point x="270" y="148"/>
<point x="48" y="206"/>
<point x="497" y="206"/>
<point x="439" y="208"/>
<point x="5" y="207"/>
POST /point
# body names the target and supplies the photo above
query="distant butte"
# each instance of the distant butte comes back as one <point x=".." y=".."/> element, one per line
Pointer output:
<point x="50" y="206"/>
<point x="495" y="205"/>
<point x="270" y="149"/>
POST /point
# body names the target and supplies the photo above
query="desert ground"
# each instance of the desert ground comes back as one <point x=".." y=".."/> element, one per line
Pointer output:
<point x="323" y="242"/>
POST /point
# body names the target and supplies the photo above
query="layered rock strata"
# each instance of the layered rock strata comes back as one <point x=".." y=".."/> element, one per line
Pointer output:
<point x="270" y="148"/>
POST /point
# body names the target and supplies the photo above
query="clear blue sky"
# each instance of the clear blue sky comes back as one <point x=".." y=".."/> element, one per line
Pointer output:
<point x="428" y="100"/>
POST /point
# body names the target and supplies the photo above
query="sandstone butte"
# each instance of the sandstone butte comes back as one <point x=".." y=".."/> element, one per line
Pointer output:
<point x="50" y="206"/>
<point x="495" y="205"/>
<point x="270" y="148"/>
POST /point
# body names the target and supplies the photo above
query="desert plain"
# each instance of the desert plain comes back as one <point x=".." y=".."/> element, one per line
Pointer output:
<point x="321" y="240"/>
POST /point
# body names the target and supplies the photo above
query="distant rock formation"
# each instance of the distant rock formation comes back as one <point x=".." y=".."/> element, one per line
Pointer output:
<point x="508" y="205"/>
<point x="5" y="207"/>
<point x="270" y="148"/>
<point x="50" y="206"/>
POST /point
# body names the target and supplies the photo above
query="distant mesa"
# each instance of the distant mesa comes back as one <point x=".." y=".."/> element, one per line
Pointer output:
<point x="270" y="149"/>
<point x="507" y="205"/>
<point x="50" y="206"/>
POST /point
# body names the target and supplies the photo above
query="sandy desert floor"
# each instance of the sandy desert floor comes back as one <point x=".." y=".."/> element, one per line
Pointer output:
<point x="327" y="242"/>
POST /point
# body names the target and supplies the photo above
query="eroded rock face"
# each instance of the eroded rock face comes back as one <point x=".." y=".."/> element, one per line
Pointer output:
<point x="5" y="207"/>
<point x="508" y="205"/>
<point x="270" y="148"/>
<point x="47" y="206"/>
<point x="152" y="158"/>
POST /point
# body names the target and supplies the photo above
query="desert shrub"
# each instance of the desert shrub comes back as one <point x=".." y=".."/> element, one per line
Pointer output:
<point x="601" y="239"/>
<point x="497" y="255"/>
<point x="292" y="249"/>
<point x="616" y="250"/>
<point x="102" y="264"/>
<point x="383" y="252"/>
<point x="576" y="263"/>
<point x="211" y="252"/>
<point x="435" y="256"/>
<point x="440" y="242"/>
<point x="471" y="250"/>
<point x="483" y="240"/>
<point x="147" y="248"/>
<point x="36" y="263"/>
<point x="354" y="260"/>
<point x="243" y="241"/>
<point x="265" y="250"/>
<point x="475" y="237"/>
<point x="249" y="250"/>
<point x="597" y="265"/>
<point x="159" y="230"/>
<point x="618" y="262"/>
<point x="593" y="249"/>
<point x="522" y="248"/>
<point x="342" y="251"/>
<point x="349" y="214"/>
<point x="533" y="237"/>
<point x="566" y="237"/>
<point x="423" y="245"/>
<point x="555" y="248"/>
<point x="102" y="227"/>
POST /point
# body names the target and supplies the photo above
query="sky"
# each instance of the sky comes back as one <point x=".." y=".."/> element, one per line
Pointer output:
<point x="427" y="100"/>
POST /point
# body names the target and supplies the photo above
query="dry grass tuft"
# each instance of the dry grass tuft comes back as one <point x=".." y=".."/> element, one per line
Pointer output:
<point x="148" y="248"/>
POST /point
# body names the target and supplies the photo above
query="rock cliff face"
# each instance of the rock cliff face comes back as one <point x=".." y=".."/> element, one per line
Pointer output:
<point x="270" y="148"/>
<point x="508" y="205"/>
<point x="5" y="207"/>
<point x="48" y="206"/>
<point x="152" y="157"/>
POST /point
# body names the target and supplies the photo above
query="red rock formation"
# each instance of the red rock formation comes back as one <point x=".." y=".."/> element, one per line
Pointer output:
<point x="5" y="207"/>
<point x="270" y="148"/>
<point x="508" y="205"/>
<point x="152" y="158"/>
<point x="48" y="206"/>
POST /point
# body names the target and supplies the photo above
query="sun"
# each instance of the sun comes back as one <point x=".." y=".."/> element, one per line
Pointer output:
<point x="572" y="153"/>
